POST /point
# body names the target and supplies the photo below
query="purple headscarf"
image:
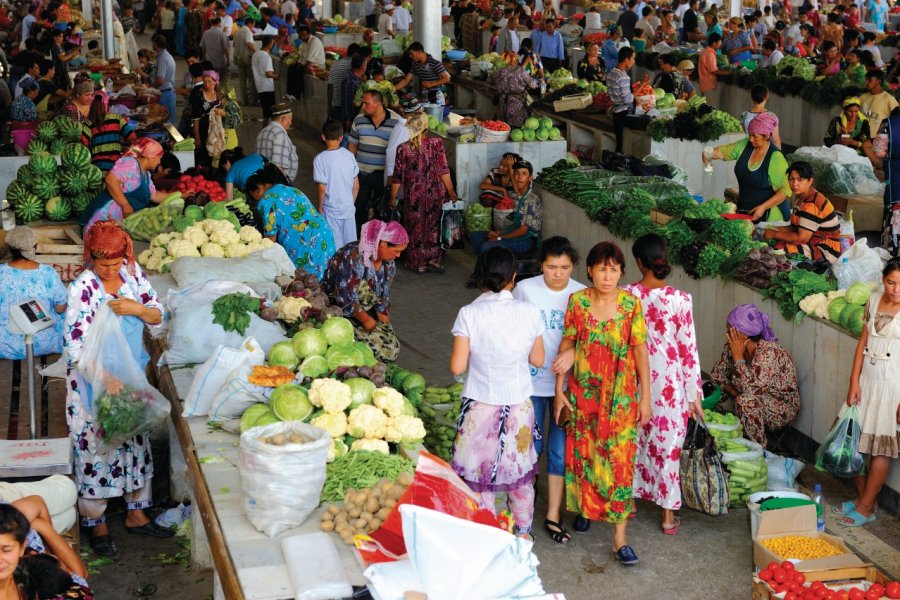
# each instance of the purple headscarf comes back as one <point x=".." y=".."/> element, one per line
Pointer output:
<point x="751" y="321"/>
<point x="373" y="233"/>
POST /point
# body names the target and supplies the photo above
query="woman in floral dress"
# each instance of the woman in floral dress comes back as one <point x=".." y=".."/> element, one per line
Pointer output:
<point x="512" y="84"/>
<point x="111" y="276"/>
<point x="422" y="170"/>
<point x="604" y="347"/>
<point x="675" y="384"/>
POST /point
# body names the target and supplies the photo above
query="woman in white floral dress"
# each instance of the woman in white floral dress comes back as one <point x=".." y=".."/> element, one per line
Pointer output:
<point x="675" y="382"/>
<point x="112" y="276"/>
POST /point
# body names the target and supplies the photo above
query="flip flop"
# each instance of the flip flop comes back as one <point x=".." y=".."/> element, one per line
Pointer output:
<point x="674" y="529"/>
<point x="856" y="519"/>
<point x="844" y="507"/>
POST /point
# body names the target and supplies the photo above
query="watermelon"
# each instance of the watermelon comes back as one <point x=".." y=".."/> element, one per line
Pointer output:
<point x="81" y="201"/>
<point x="46" y="187"/>
<point x="43" y="164"/>
<point x="73" y="182"/>
<point x="58" y="209"/>
<point x="29" y="208"/>
<point x="75" y="156"/>
<point x="25" y="175"/>
<point x="35" y="146"/>
<point x="47" y="132"/>
<point x="57" y="146"/>
<point x="94" y="178"/>
<point x="67" y="128"/>
<point x="15" y="192"/>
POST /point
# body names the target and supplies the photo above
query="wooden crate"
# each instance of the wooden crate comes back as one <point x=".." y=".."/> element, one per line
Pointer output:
<point x="849" y="576"/>
<point x="660" y="218"/>
<point x="60" y="246"/>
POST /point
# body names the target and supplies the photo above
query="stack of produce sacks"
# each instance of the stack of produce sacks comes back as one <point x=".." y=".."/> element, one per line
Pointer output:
<point x="746" y="466"/>
<point x="439" y="410"/>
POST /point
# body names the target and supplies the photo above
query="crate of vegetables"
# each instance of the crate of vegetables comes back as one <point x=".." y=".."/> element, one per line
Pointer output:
<point x="855" y="583"/>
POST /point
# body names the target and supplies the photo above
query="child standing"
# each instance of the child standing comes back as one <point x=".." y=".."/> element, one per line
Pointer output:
<point x="335" y="171"/>
<point x="496" y="337"/>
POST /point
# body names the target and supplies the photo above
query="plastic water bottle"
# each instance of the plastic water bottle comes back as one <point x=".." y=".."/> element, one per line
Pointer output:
<point x="708" y="154"/>
<point x="819" y="499"/>
<point x="109" y="85"/>
<point x="845" y="273"/>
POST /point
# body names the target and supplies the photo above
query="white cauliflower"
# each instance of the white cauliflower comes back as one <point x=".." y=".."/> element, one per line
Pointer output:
<point x="337" y="448"/>
<point x="195" y="235"/>
<point x="291" y="309"/>
<point x="249" y="234"/>
<point x="162" y="240"/>
<point x="335" y="424"/>
<point x="212" y="249"/>
<point x="159" y="252"/>
<point x="389" y="400"/>
<point x="179" y="248"/>
<point x="165" y="263"/>
<point x="235" y="250"/>
<point x="371" y="446"/>
<point x="144" y="257"/>
<point x="255" y="246"/>
<point x="225" y="237"/>
<point x="210" y="226"/>
<point x="836" y="294"/>
<point x="404" y="429"/>
<point x="367" y="421"/>
<point x="154" y="264"/>
<point x="816" y="305"/>
<point x="330" y="394"/>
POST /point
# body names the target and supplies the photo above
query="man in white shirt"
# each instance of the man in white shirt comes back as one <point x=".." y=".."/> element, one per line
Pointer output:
<point x="264" y="75"/>
<point x="386" y="22"/>
<point x="508" y="40"/>
<point x="289" y="8"/>
<point x="227" y="23"/>
<point x="311" y="52"/>
<point x="593" y="22"/>
<point x="792" y="35"/>
<point x="244" y="48"/>
<point x="402" y="20"/>
<point x="771" y="55"/>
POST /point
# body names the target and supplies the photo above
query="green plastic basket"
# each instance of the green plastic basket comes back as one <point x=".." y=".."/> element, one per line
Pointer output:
<point x="712" y="400"/>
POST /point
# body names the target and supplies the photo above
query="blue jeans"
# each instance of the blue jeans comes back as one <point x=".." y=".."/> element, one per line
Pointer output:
<point x="480" y="243"/>
<point x="167" y="99"/>
<point x="554" y="435"/>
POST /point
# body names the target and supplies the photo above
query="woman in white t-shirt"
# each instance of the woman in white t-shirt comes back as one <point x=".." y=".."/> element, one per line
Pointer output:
<point x="550" y="293"/>
<point x="496" y="337"/>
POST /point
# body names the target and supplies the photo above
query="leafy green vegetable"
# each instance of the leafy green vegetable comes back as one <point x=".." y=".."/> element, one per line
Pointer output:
<point x="232" y="311"/>
<point x="123" y="412"/>
<point x="788" y="288"/>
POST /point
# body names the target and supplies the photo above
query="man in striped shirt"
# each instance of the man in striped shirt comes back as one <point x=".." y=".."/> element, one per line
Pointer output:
<point x="618" y="84"/>
<point x="431" y="74"/>
<point x="336" y="76"/>
<point x="369" y="137"/>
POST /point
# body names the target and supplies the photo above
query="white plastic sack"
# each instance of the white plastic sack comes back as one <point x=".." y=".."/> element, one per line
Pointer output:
<point x="391" y="580"/>
<point x="193" y="337"/>
<point x="281" y="485"/>
<point x="315" y="568"/>
<point x="225" y="364"/>
<point x="57" y="369"/>
<point x="236" y="396"/>
<point x="754" y="451"/>
<point x="783" y="472"/>
<point x="863" y="264"/>
<point x="264" y="265"/>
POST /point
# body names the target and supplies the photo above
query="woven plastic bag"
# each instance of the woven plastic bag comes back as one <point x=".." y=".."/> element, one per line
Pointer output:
<point x="215" y="140"/>
<point x="839" y="455"/>
<point x="452" y="224"/>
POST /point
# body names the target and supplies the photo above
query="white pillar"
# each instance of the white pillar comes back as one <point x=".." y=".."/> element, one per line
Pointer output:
<point x="326" y="10"/>
<point x="87" y="11"/>
<point x="735" y="8"/>
<point x="106" y="29"/>
<point x="427" y="26"/>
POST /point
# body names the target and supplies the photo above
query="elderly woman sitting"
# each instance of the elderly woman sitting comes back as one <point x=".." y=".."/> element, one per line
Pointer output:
<point x="758" y="373"/>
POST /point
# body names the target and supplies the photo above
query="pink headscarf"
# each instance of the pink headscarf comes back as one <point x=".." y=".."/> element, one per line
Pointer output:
<point x="146" y="148"/>
<point x="763" y="124"/>
<point x="373" y="233"/>
<point x="212" y="75"/>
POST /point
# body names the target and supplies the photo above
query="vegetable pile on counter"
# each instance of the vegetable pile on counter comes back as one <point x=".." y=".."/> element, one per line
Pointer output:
<point x="363" y="511"/>
<point x="844" y="307"/>
<point x="536" y="129"/>
<point x="788" y="288"/>
<point x="760" y="266"/>
<point x="144" y="224"/>
<point x="189" y="185"/>
<point x="439" y="410"/>
<point x="305" y="302"/>
<point x="210" y="237"/>
<point x="695" y="121"/>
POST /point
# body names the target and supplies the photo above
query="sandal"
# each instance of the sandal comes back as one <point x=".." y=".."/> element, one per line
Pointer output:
<point x="844" y="507"/>
<point x="673" y="529"/>
<point x="855" y="519"/>
<point x="626" y="555"/>
<point x="420" y="270"/>
<point x="560" y="534"/>
<point x="103" y="545"/>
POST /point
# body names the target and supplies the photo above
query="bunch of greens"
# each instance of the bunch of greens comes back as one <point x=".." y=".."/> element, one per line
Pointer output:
<point x="788" y="288"/>
<point x="676" y="206"/>
<point x="122" y="411"/>
<point x="232" y="311"/>
<point x="711" y="209"/>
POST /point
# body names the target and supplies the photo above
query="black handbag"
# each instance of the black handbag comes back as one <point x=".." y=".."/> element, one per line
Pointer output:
<point x="704" y="485"/>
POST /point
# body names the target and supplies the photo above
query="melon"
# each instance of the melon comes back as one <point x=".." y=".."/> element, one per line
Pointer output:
<point x="46" y="187"/>
<point x="75" y="156"/>
<point x="80" y="202"/>
<point x="58" y="209"/>
<point x="68" y="129"/>
<point x="29" y="208"/>
<point x="94" y="178"/>
<point x="72" y="182"/>
<point x="57" y="146"/>
<point x="15" y="192"/>
<point x="35" y="146"/>
<point x="516" y="135"/>
<point x="25" y="175"/>
<point x="47" y="132"/>
<point x="546" y="123"/>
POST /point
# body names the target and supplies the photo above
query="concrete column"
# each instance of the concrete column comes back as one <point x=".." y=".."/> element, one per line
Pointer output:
<point x="87" y="11"/>
<point x="326" y="9"/>
<point x="735" y="8"/>
<point x="427" y="26"/>
<point x="106" y="29"/>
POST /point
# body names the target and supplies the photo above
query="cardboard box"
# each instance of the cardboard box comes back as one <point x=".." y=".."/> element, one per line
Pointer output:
<point x="573" y="102"/>
<point x="861" y="577"/>
<point x="800" y="520"/>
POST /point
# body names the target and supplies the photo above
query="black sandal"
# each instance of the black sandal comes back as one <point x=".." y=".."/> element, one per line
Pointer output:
<point x="560" y="534"/>
<point x="103" y="545"/>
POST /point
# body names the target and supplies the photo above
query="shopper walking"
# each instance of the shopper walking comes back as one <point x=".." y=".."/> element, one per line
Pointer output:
<point x="496" y="339"/>
<point x="274" y="144"/>
<point x="243" y="58"/>
<point x="214" y="44"/>
<point x="335" y="173"/>
<point x="164" y="75"/>
<point x="264" y="75"/>
<point x="618" y="82"/>
<point x="202" y="106"/>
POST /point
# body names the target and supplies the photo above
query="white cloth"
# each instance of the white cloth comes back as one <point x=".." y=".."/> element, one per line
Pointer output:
<point x="772" y="59"/>
<point x="312" y="51"/>
<point x="501" y="332"/>
<point x="553" y="306"/>
<point x="399" y="135"/>
<point x="682" y="8"/>
<point x="368" y="7"/>
<point x="227" y="25"/>
<point x="875" y="52"/>
<point x="593" y="21"/>
<point x="59" y="494"/>
<point x="337" y="170"/>
<point x="385" y="26"/>
<point x="261" y="64"/>
<point x="792" y="35"/>
<point x="289" y="8"/>
<point x="402" y="19"/>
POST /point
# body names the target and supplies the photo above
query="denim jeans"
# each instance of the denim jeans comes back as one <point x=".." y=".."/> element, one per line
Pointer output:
<point x="480" y="243"/>
<point x="554" y="435"/>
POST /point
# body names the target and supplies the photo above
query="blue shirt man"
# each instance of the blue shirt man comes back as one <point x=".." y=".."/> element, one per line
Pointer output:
<point x="548" y="44"/>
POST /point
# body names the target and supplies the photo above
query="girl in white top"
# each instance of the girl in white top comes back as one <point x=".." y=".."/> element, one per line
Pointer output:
<point x="550" y="293"/>
<point x="496" y="337"/>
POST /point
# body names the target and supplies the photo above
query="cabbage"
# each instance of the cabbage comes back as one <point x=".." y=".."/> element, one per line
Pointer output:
<point x="290" y="403"/>
<point x="267" y="418"/>
<point x="340" y="448"/>
<point x="365" y="351"/>
<point x="360" y="391"/>
<point x="309" y="342"/>
<point x="847" y="314"/>
<point x="408" y="408"/>
<point x="858" y="293"/>
<point x="852" y="317"/>
<point x="413" y="382"/>
<point x="835" y="308"/>
<point x="252" y="413"/>
<point x="314" y="366"/>
<point x="857" y="322"/>
<point x="347" y="355"/>
<point x="282" y="355"/>
<point x="338" y="331"/>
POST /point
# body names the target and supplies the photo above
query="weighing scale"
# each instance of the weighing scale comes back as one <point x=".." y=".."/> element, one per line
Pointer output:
<point x="32" y="457"/>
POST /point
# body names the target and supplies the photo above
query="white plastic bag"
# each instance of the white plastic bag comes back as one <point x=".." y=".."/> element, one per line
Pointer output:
<point x="754" y="451"/>
<point x="225" y="364"/>
<point x="783" y="472"/>
<point x="863" y="264"/>
<point x="281" y="485"/>
<point x="315" y="568"/>
<point x="236" y="396"/>
<point x="264" y="265"/>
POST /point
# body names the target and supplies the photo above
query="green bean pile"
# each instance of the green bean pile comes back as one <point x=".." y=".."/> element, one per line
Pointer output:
<point x="361" y="469"/>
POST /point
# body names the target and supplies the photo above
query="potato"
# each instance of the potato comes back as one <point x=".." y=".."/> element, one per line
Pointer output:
<point x="386" y="487"/>
<point x="383" y="513"/>
<point x="389" y="503"/>
<point x="327" y="525"/>
<point x="397" y="491"/>
<point x="360" y="523"/>
<point x="374" y="524"/>
<point x="341" y="517"/>
<point x="333" y="509"/>
<point x="327" y="516"/>
<point x="372" y="505"/>
<point x="354" y="512"/>
<point x="405" y="479"/>
<point x="279" y="439"/>
<point x="366" y="515"/>
<point x="347" y="537"/>
<point x="296" y="438"/>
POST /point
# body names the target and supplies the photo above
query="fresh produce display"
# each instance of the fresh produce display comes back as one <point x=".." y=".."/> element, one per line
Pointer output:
<point x="495" y="125"/>
<point x="759" y="267"/>
<point x="560" y="78"/>
<point x="478" y="217"/>
<point x="844" y="307"/>
<point x="281" y="439"/>
<point x="801" y="547"/>
<point x="144" y="224"/>
<point x="788" y="288"/>
<point x="592" y="87"/>
<point x="185" y="145"/>
<point x="232" y="311"/>
<point x="363" y="511"/>
<point x="698" y="121"/>
<point x="189" y="185"/>
<point x="305" y="302"/>
<point x="439" y="410"/>
<point x="535" y="129"/>
<point x="361" y="470"/>
<point x="210" y="237"/>
<point x="785" y="579"/>
<point x="746" y="466"/>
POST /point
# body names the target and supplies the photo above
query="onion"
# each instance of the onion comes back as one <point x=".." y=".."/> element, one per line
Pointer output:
<point x="269" y="314"/>
<point x="311" y="281"/>
<point x="377" y="379"/>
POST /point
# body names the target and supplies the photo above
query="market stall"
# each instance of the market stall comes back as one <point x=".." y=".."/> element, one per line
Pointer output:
<point x="339" y="40"/>
<point x="311" y="110"/>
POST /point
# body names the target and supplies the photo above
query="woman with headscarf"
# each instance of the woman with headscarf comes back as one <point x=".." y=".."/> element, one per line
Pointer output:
<point x="109" y="132"/>
<point x="128" y="185"/>
<point x="422" y="170"/>
<point x="758" y="373"/>
<point x="287" y="217"/>
<point x="761" y="171"/>
<point x="78" y="107"/>
<point x="21" y="279"/>
<point x="359" y="279"/>
<point x="203" y="102"/>
<point x="513" y="83"/>
<point x="850" y="128"/>
<point x="111" y="276"/>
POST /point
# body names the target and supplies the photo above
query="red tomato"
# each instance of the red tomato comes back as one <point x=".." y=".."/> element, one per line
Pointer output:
<point x="809" y="595"/>
<point x="780" y="575"/>
<point x="816" y="585"/>
<point x="877" y="588"/>
<point x="766" y="575"/>
<point x="857" y="594"/>
<point x="821" y="592"/>
<point x="873" y="594"/>
<point x="799" y="577"/>
<point x="772" y="566"/>
<point x="893" y="590"/>
<point x="791" y="596"/>
<point x="787" y="565"/>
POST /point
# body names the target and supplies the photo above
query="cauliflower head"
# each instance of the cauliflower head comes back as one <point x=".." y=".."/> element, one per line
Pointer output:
<point x="404" y="429"/>
<point x="144" y="257"/>
<point x="165" y="263"/>
<point x="367" y="421"/>
<point x="179" y="248"/>
<point x="210" y="226"/>
<point x="249" y="234"/>
<point x="330" y="394"/>
<point x="195" y="235"/>
<point x="371" y="446"/>
<point x="154" y="263"/>
<point x="335" y="424"/>
<point x="389" y="400"/>
<point x="212" y="249"/>
<point x="235" y="250"/>
<point x="225" y="237"/>
<point x="254" y="246"/>
<point x="163" y="239"/>
<point x="159" y="252"/>
<point x="291" y="309"/>
<point x="816" y="304"/>
<point x="266" y="243"/>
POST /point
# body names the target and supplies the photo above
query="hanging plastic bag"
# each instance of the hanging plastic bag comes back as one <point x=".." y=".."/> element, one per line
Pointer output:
<point x="863" y="264"/>
<point x="215" y="140"/>
<point x="839" y="454"/>
<point x="225" y="364"/>
<point x="121" y="401"/>
<point x="452" y="224"/>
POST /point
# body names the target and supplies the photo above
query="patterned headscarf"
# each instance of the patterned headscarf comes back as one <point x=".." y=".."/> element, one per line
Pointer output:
<point x="107" y="239"/>
<point x="23" y="239"/>
<point x="763" y="124"/>
<point x="146" y="148"/>
<point x="416" y="125"/>
<point x="212" y="75"/>
<point x="860" y="115"/>
<point x="751" y="321"/>
<point x="373" y="233"/>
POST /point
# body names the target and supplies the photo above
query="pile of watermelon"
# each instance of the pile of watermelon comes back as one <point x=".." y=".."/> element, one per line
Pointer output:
<point x="44" y="188"/>
<point x="53" y="136"/>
